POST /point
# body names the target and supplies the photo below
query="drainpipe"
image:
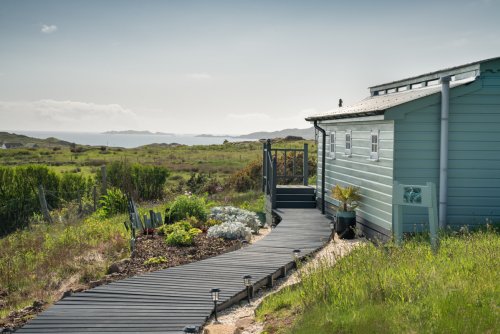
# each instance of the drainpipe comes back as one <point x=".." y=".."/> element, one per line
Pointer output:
<point x="323" y="154"/>
<point x="443" y="158"/>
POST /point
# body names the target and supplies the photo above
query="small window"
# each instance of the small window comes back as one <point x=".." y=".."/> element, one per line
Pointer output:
<point x="348" y="142"/>
<point x="375" y="144"/>
<point x="331" y="152"/>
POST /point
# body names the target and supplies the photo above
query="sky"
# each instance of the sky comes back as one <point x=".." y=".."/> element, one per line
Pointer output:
<point x="220" y="67"/>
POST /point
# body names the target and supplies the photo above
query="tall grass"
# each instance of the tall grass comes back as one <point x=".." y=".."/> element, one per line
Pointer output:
<point x="389" y="289"/>
<point x="35" y="262"/>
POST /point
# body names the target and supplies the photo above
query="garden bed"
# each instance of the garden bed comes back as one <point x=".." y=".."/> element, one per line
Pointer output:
<point x="147" y="248"/>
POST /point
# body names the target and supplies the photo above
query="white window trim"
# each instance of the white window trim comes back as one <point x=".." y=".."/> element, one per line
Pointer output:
<point x="331" y="153"/>
<point x="348" y="151"/>
<point x="374" y="156"/>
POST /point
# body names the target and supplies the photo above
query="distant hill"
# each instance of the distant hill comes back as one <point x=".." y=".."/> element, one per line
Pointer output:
<point x="26" y="141"/>
<point x="135" y="132"/>
<point x="304" y="133"/>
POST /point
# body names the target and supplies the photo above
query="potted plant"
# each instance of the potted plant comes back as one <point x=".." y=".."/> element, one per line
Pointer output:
<point x="346" y="214"/>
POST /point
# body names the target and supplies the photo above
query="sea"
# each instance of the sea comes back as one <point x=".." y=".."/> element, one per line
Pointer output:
<point x="129" y="140"/>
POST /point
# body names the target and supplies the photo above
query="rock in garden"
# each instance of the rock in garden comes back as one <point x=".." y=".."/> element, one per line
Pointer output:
<point x="118" y="267"/>
<point x="244" y="322"/>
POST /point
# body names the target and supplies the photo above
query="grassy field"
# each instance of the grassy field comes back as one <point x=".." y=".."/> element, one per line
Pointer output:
<point x="36" y="263"/>
<point x="218" y="159"/>
<point x="387" y="289"/>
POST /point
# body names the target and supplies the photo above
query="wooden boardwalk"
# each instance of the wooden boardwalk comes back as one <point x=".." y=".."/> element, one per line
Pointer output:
<point x="167" y="300"/>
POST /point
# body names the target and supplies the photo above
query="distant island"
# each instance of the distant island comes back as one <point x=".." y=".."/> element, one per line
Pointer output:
<point x="304" y="133"/>
<point x="135" y="132"/>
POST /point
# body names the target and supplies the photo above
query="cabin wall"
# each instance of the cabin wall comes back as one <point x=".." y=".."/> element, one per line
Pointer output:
<point x="375" y="178"/>
<point x="474" y="152"/>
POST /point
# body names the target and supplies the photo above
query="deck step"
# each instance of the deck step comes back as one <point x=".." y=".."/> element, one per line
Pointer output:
<point x="295" y="190"/>
<point x="296" y="204"/>
<point x="296" y="197"/>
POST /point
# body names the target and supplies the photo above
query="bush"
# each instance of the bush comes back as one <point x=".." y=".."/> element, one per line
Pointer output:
<point x="179" y="237"/>
<point x="187" y="206"/>
<point x="232" y="214"/>
<point x="231" y="231"/>
<point x="112" y="203"/>
<point x="144" y="182"/>
<point x="200" y="183"/>
<point x="183" y="225"/>
<point x="249" y="178"/>
<point x="194" y="232"/>
<point x="71" y="185"/>
<point x="19" y="194"/>
<point x="155" y="260"/>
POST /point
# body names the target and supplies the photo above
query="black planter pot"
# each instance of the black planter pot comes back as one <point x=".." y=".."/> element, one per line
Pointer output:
<point x="345" y="224"/>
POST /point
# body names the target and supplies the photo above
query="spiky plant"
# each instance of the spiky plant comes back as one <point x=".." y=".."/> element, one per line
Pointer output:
<point x="347" y="196"/>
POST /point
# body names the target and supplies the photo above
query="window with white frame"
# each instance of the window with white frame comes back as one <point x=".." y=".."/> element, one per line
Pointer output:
<point x="375" y="144"/>
<point x="331" y="145"/>
<point x="348" y="142"/>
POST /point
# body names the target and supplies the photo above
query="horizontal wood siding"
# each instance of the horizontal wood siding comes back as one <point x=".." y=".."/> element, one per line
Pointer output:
<point x="474" y="153"/>
<point x="373" y="177"/>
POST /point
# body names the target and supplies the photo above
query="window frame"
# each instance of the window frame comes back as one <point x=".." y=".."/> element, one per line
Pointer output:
<point x="375" y="154"/>
<point x="332" y="153"/>
<point x="348" y="151"/>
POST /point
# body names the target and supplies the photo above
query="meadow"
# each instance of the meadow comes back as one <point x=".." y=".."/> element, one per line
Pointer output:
<point x="389" y="289"/>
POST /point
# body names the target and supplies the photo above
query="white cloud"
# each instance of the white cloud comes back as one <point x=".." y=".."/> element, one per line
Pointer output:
<point x="65" y="116"/>
<point x="250" y="116"/>
<point x="48" y="29"/>
<point x="199" y="76"/>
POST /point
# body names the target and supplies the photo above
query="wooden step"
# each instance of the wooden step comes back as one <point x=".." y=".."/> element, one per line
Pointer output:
<point x="296" y="197"/>
<point x="295" y="190"/>
<point x="296" y="204"/>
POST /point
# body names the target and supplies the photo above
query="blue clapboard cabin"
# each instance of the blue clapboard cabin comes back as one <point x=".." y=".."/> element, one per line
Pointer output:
<point x="441" y="127"/>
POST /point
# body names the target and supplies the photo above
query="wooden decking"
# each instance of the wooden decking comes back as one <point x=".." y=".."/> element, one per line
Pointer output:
<point x="167" y="300"/>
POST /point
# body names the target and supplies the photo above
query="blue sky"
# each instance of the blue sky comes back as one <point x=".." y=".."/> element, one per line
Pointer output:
<point x="220" y="66"/>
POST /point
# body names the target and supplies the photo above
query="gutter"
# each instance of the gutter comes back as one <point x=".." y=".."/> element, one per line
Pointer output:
<point x="323" y="163"/>
<point x="443" y="149"/>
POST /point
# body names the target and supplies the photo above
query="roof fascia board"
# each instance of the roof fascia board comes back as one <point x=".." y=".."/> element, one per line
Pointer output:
<point x="427" y="77"/>
<point x="353" y="119"/>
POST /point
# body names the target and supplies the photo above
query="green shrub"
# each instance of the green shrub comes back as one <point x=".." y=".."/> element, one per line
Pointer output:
<point x="179" y="237"/>
<point x="155" y="260"/>
<point x="112" y="203"/>
<point x="183" y="225"/>
<point x="187" y="206"/>
<point x="249" y="178"/>
<point x="144" y="182"/>
<point x="194" y="232"/>
<point x="73" y="185"/>
<point x="19" y="194"/>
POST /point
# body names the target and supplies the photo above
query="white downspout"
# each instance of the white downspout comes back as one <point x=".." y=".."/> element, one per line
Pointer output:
<point x="443" y="159"/>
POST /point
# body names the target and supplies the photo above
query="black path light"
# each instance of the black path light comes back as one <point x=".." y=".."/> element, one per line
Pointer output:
<point x="296" y="254"/>
<point x="332" y="228"/>
<point x="247" y="280"/>
<point x="191" y="329"/>
<point x="215" y="298"/>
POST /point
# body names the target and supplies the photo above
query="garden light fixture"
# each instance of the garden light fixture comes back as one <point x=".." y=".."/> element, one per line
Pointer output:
<point x="296" y="254"/>
<point x="191" y="329"/>
<point x="215" y="299"/>
<point x="247" y="280"/>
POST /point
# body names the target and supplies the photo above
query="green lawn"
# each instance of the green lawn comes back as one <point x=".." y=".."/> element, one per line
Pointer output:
<point x="387" y="289"/>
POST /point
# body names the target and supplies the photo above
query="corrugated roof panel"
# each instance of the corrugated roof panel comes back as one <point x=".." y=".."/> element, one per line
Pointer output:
<point x="378" y="104"/>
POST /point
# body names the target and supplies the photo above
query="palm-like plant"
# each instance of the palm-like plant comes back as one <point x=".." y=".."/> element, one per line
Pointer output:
<point x="347" y="196"/>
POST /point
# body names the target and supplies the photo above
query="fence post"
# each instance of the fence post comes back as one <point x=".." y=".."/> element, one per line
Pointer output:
<point x="274" y="182"/>
<point x="104" y="189"/>
<point x="43" y="204"/>
<point x="306" y="164"/>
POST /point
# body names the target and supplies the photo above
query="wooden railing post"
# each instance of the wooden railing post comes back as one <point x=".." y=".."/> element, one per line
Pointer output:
<point x="264" y="166"/>
<point x="274" y="183"/>
<point x="306" y="164"/>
